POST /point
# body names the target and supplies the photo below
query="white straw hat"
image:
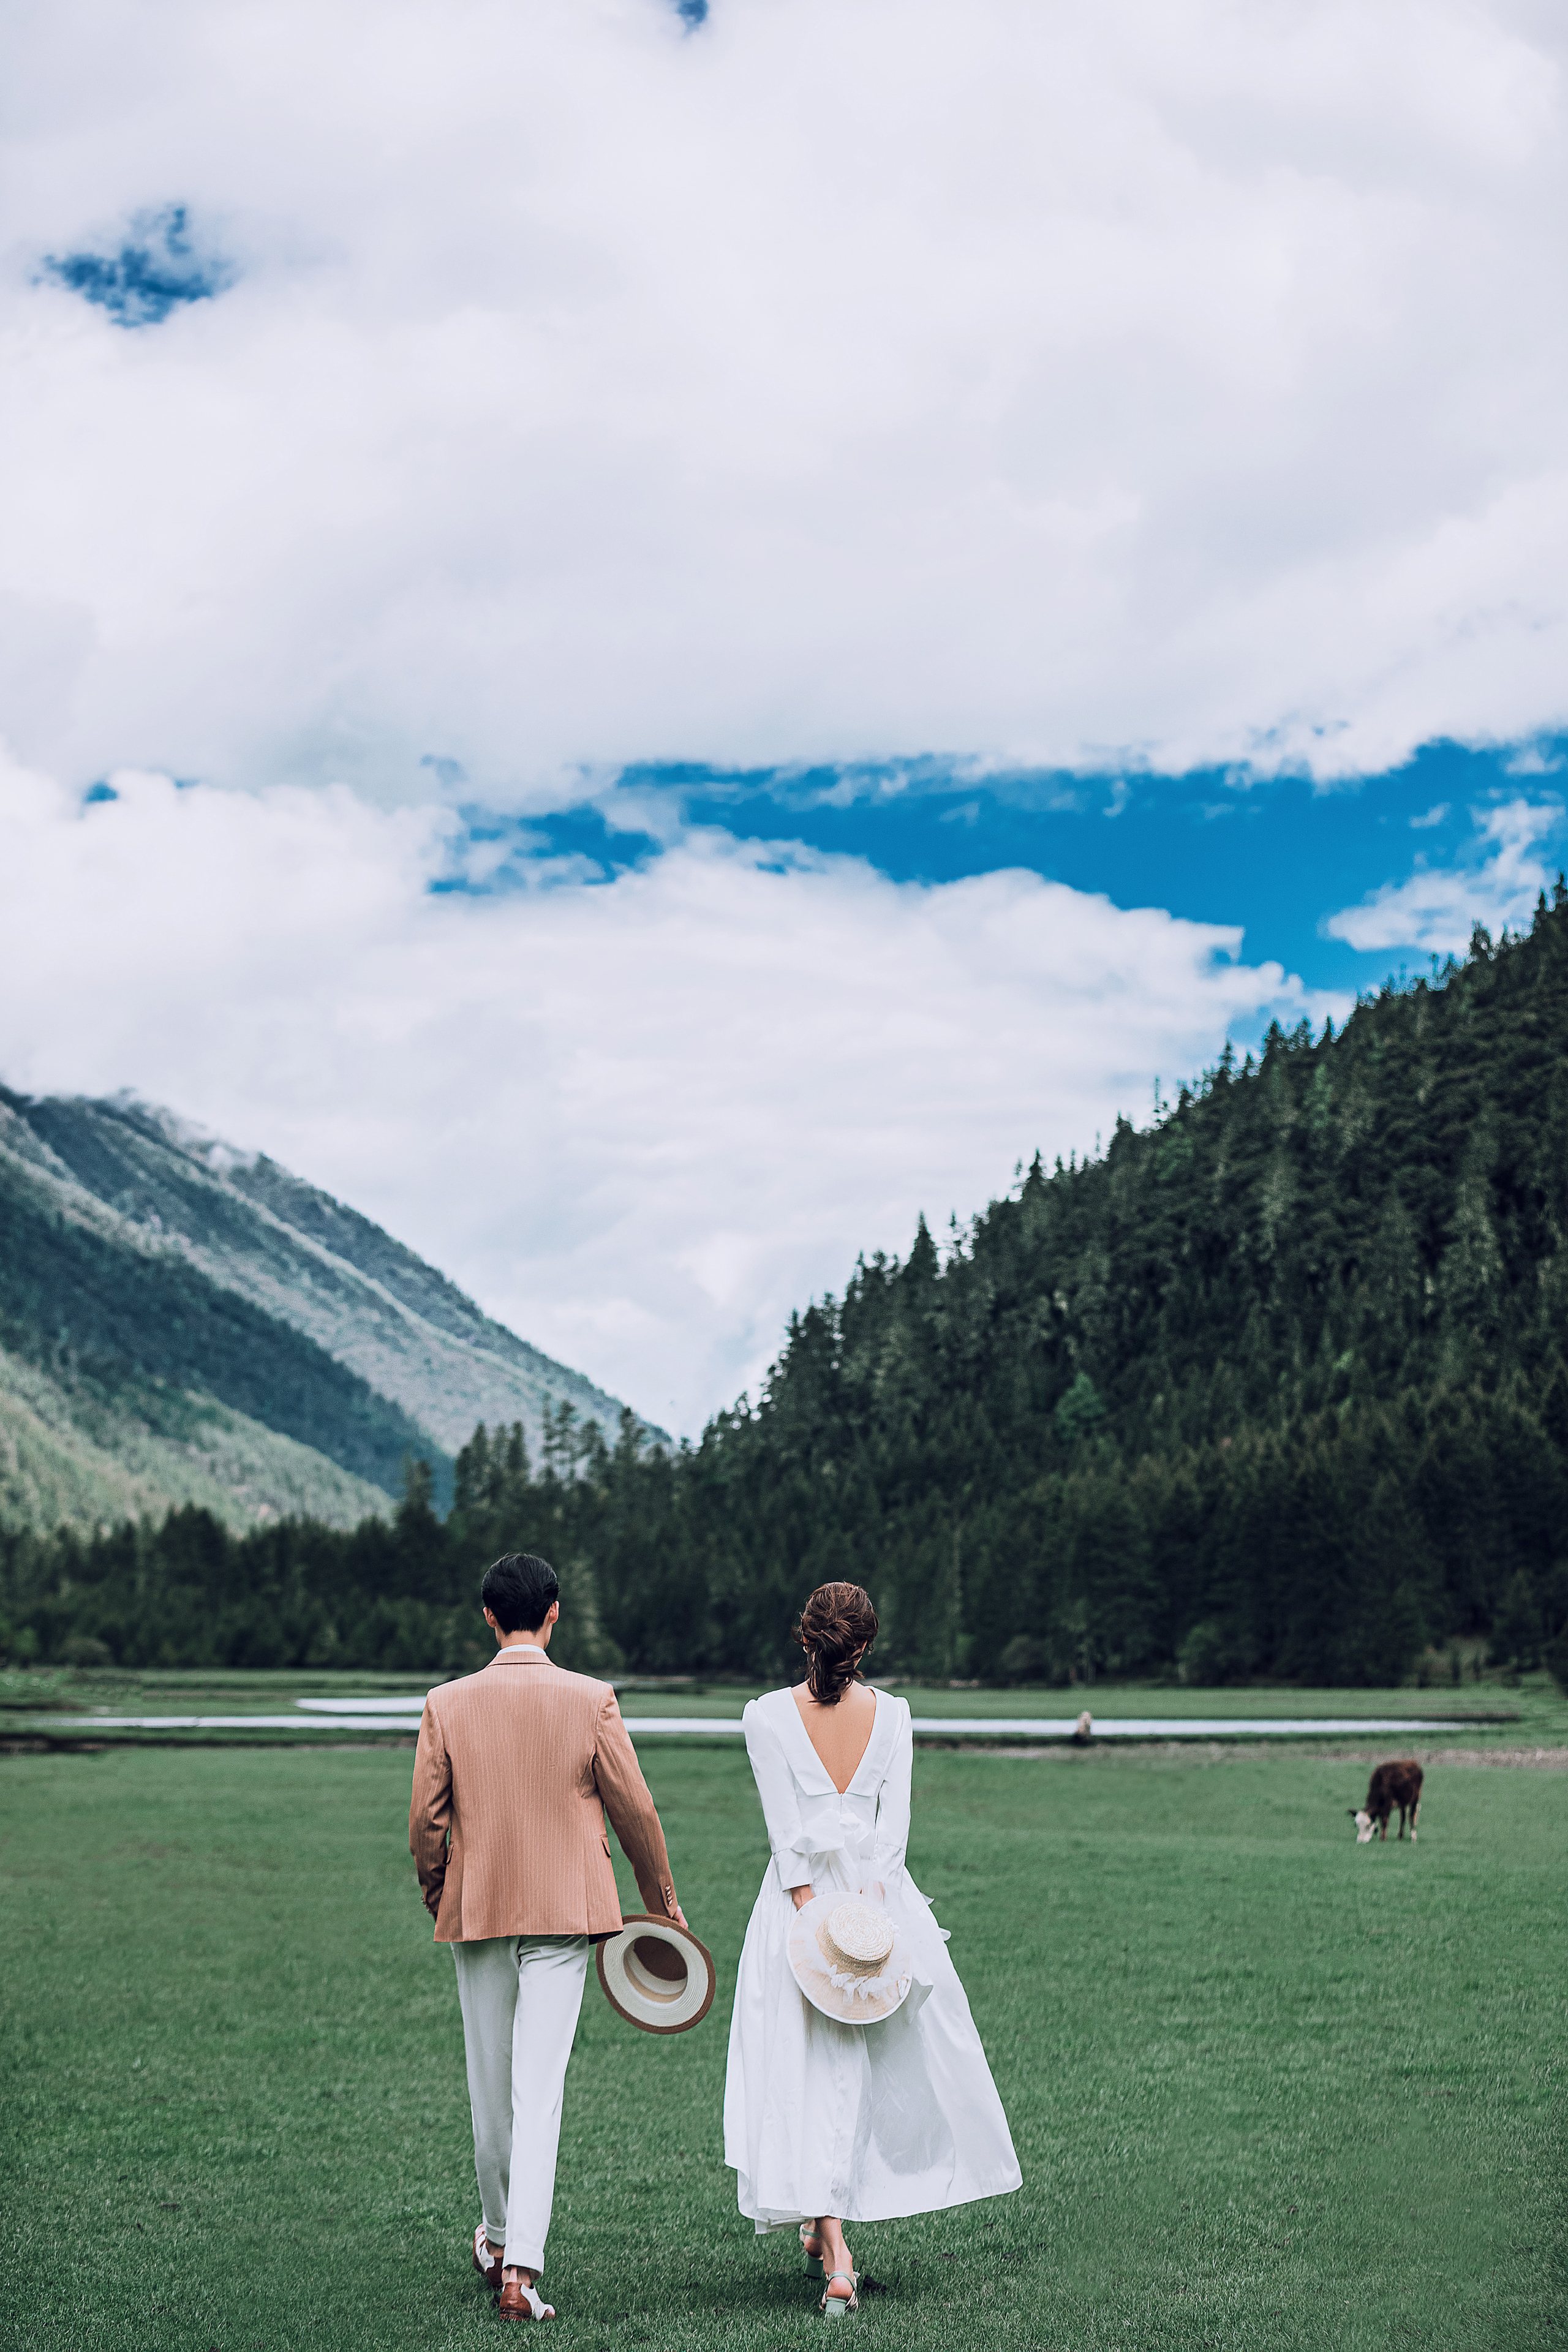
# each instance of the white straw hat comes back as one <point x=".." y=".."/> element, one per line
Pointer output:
<point x="849" y="1960"/>
<point x="656" y="1975"/>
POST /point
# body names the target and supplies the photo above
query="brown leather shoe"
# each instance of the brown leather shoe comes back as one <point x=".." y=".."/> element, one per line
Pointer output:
<point x="519" y="2301"/>
<point x="487" y="2265"/>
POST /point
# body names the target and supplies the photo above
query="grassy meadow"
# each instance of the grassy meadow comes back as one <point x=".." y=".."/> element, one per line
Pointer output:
<point x="1269" y="2090"/>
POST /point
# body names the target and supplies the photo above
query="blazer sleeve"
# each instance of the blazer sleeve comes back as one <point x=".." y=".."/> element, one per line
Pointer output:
<point x="430" y="1808"/>
<point x="775" y="1787"/>
<point x="623" y="1794"/>
<point x="892" y="1838"/>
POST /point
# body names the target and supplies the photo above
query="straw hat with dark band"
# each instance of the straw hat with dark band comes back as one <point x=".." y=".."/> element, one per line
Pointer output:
<point x="656" y="1975"/>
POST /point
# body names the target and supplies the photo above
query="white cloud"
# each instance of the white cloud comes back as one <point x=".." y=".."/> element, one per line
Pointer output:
<point x="1166" y="376"/>
<point x="640" y="1120"/>
<point x="1436" y="909"/>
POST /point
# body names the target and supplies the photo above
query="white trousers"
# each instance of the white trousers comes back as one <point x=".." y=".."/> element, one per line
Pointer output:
<point x="520" y="1996"/>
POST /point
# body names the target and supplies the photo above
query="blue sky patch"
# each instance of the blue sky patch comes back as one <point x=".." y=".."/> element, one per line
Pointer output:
<point x="580" y="845"/>
<point x="1460" y="830"/>
<point x="1277" y="856"/>
<point x="156" y="267"/>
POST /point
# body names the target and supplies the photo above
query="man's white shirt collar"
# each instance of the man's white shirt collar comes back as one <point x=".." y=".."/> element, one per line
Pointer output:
<point x="529" y="1649"/>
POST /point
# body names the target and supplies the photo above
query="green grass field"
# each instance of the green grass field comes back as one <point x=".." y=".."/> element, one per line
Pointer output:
<point x="1268" y="2089"/>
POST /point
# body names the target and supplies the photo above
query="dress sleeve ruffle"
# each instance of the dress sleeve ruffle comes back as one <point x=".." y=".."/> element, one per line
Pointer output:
<point x="780" y="1798"/>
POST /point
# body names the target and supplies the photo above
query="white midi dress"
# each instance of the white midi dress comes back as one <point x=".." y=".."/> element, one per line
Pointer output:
<point x="866" y="2121"/>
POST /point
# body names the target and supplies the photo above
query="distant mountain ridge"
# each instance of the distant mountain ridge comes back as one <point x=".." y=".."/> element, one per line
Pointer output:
<point x="181" y="1321"/>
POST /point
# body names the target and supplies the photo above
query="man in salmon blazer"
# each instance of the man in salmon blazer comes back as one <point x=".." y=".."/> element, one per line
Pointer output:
<point x="516" y="1769"/>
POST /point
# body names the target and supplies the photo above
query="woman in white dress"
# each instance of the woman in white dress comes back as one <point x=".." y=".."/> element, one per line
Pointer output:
<point x="826" y="2123"/>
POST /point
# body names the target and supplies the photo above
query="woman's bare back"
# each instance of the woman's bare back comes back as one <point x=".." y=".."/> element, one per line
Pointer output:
<point x="839" y="1734"/>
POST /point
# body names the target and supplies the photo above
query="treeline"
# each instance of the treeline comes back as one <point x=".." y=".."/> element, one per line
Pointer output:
<point x="1274" y="1389"/>
<point x="1335" y="1553"/>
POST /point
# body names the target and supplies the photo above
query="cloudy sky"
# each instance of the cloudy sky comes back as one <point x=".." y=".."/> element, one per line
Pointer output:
<point x="648" y="640"/>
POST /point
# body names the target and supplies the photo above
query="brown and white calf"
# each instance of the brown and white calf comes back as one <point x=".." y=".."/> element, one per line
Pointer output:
<point x="1392" y="1784"/>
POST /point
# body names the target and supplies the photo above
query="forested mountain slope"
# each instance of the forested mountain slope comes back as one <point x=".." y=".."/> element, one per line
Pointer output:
<point x="1274" y="1389"/>
<point x="300" y="1255"/>
<point x="1275" y="1386"/>
<point x="180" y="1322"/>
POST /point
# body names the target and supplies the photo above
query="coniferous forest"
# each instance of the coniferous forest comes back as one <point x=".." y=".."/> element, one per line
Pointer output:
<point x="1274" y="1389"/>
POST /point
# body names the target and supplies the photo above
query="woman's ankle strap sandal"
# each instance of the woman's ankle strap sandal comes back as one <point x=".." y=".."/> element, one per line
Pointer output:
<point x="813" y="2262"/>
<point x="834" y="2307"/>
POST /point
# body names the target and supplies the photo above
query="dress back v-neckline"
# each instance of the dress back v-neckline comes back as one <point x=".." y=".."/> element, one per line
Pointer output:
<point x="817" y="1757"/>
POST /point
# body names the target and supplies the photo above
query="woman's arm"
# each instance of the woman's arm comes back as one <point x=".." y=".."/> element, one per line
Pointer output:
<point x="892" y="1837"/>
<point x="775" y="1787"/>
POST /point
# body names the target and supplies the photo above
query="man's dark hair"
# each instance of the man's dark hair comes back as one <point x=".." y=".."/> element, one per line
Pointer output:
<point x="518" y="1591"/>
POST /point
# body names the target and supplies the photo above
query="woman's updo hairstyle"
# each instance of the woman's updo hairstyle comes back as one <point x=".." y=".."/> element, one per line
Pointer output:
<point x="836" y="1623"/>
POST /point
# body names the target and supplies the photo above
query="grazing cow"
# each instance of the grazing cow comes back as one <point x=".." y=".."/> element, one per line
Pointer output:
<point x="1392" y="1784"/>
